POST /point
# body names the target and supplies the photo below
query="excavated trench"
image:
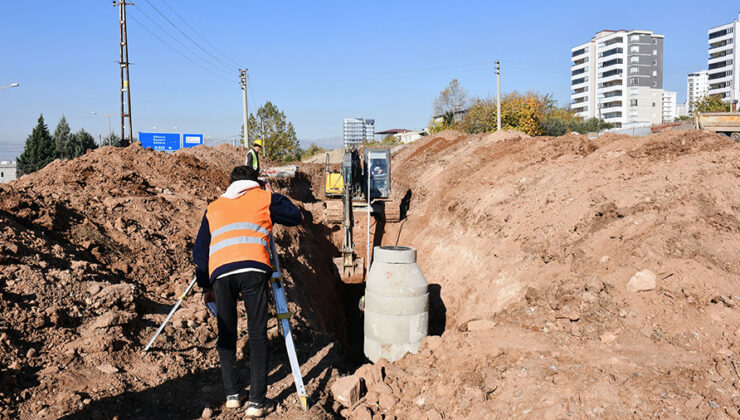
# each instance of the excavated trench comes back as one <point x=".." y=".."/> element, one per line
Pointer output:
<point x="329" y="302"/>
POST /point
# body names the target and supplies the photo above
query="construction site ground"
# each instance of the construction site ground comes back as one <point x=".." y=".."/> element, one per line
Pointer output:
<point x="569" y="278"/>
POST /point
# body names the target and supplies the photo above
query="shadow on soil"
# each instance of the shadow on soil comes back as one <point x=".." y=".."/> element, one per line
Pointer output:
<point x="185" y="397"/>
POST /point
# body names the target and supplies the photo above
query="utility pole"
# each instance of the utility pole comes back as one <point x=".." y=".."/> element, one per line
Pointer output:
<point x="125" y="81"/>
<point x="498" y="95"/>
<point x="243" y="83"/>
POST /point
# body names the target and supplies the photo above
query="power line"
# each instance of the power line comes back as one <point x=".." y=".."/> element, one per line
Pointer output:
<point x="198" y="33"/>
<point x="181" y="31"/>
<point x="364" y="75"/>
<point x="178" y="51"/>
<point x="189" y="50"/>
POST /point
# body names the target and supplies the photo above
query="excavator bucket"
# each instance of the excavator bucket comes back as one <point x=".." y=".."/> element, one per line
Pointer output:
<point x="333" y="211"/>
<point x="353" y="274"/>
<point x="392" y="212"/>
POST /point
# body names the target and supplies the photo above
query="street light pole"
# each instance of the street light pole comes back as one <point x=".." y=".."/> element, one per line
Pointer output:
<point x="106" y="115"/>
<point x="9" y="86"/>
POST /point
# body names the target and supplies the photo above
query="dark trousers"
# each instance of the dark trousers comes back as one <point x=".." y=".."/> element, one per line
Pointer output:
<point x="252" y="286"/>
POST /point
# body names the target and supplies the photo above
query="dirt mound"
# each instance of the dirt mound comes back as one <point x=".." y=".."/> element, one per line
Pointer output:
<point x="335" y="156"/>
<point x="569" y="277"/>
<point x="94" y="253"/>
<point x="532" y="243"/>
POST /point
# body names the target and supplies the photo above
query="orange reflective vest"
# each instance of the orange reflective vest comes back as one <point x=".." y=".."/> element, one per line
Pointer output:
<point x="240" y="229"/>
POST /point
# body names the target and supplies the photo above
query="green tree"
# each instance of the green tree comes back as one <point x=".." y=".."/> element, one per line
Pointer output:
<point x="39" y="150"/>
<point x="481" y="117"/>
<point x="453" y="98"/>
<point x="278" y="135"/>
<point x="62" y="135"/>
<point x="112" y="140"/>
<point x="81" y="142"/>
<point x="312" y="150"/>
<point x="712" y="103"/>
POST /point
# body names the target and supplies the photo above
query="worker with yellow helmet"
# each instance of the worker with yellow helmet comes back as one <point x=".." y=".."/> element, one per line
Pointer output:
<point x="252" y="156"/>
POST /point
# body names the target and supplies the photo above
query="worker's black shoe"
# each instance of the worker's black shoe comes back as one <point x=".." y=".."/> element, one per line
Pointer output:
<point x="235" y="400"/>
<point x="260" y="409"/>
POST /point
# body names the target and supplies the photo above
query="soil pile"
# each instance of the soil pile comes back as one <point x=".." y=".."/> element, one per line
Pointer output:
<point x="577" y="277"/>
<point x="570" y="277"/>
<point x="94" y="253"/>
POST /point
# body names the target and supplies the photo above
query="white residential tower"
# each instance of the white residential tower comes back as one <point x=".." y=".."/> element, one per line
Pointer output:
<point x="618" y="76"/>
<point x="724" y="61"/>
<point x="697" y="86"/>
<point x="357" y="130"/>
<point x="668" y="106"/>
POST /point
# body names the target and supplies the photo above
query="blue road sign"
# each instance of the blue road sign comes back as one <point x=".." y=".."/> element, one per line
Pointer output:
<point x="160" y="141"/>
<point x="190" y="140"/>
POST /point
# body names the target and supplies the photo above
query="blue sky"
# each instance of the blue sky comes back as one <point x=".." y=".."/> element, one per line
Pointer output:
<point x="319" y="62"/>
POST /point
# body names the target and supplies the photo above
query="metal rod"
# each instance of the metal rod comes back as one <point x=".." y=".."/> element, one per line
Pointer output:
<point x="172" y="312"/>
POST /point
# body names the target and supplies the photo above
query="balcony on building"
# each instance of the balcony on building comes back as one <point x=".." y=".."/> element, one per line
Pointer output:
<point x="609" y="103"/>
<point x="611" y="75"/>
<point x="576" y="73"/>
<point x="720" y="56"/>
<point x="578" y="83"/>
<point x="579" y="107"/>
<point x="610" y="64"/>
<point x="580" y="51"/>
<point x="581" y="62"/>
<point x="720" y="46"/>
<point x="614" y="94"/>
<point x="721" y="64"/>
<point x="578" y="94"/>
<point x="607" y="53"/>
<point x="720" y="77"/>
<point x="720" y="35"/>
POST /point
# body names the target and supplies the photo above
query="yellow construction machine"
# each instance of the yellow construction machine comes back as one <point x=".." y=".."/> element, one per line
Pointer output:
<point x="364" y="183"/>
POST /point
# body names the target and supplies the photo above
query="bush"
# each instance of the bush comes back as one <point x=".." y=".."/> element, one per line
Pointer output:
<point x="558" y="126"/>
<point x="312" y="150"/>
<point x="481" y="118"/>
<point x="555" y="126"/>
<point x="437" y="126"/>
<point x="712" y="103"/>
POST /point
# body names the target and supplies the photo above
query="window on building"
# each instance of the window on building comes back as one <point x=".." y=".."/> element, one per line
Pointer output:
<point x="655" y="62"/>
<point x="655" y="73"/>
<point x="634" y="59"/>
<point x="634" y="49"/>
<point x="634" y="70"/>
<point x="633" y="102"/>
<point x="655" y="52"/>
<point x="633" y="91"/>
<point x="634" y="81"/>
<point x="655" y="41"/>
<point x="635" y="38"/>
<point x="655" y="84"/>
<point x="2" y="175"/>
<point x="653" y="104"/>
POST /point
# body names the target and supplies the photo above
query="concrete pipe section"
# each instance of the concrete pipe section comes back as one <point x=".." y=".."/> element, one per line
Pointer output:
<point x="396" y="304"/>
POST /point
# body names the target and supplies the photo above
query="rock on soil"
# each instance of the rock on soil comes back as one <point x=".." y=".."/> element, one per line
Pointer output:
<point x="642" y="281"/>
<point x="346" y="390"/>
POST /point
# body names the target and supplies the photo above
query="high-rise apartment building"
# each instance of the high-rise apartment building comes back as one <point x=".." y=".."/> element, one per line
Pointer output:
<point x="618" y="76"/>
<point x="697" y="86"/>
<point x="668" y="106"/>
<point x="724" y="61"/>
<point x="356" y="130"/>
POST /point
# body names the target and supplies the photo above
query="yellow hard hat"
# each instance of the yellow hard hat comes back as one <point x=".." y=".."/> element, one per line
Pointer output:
<point x="258" y="142"/>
